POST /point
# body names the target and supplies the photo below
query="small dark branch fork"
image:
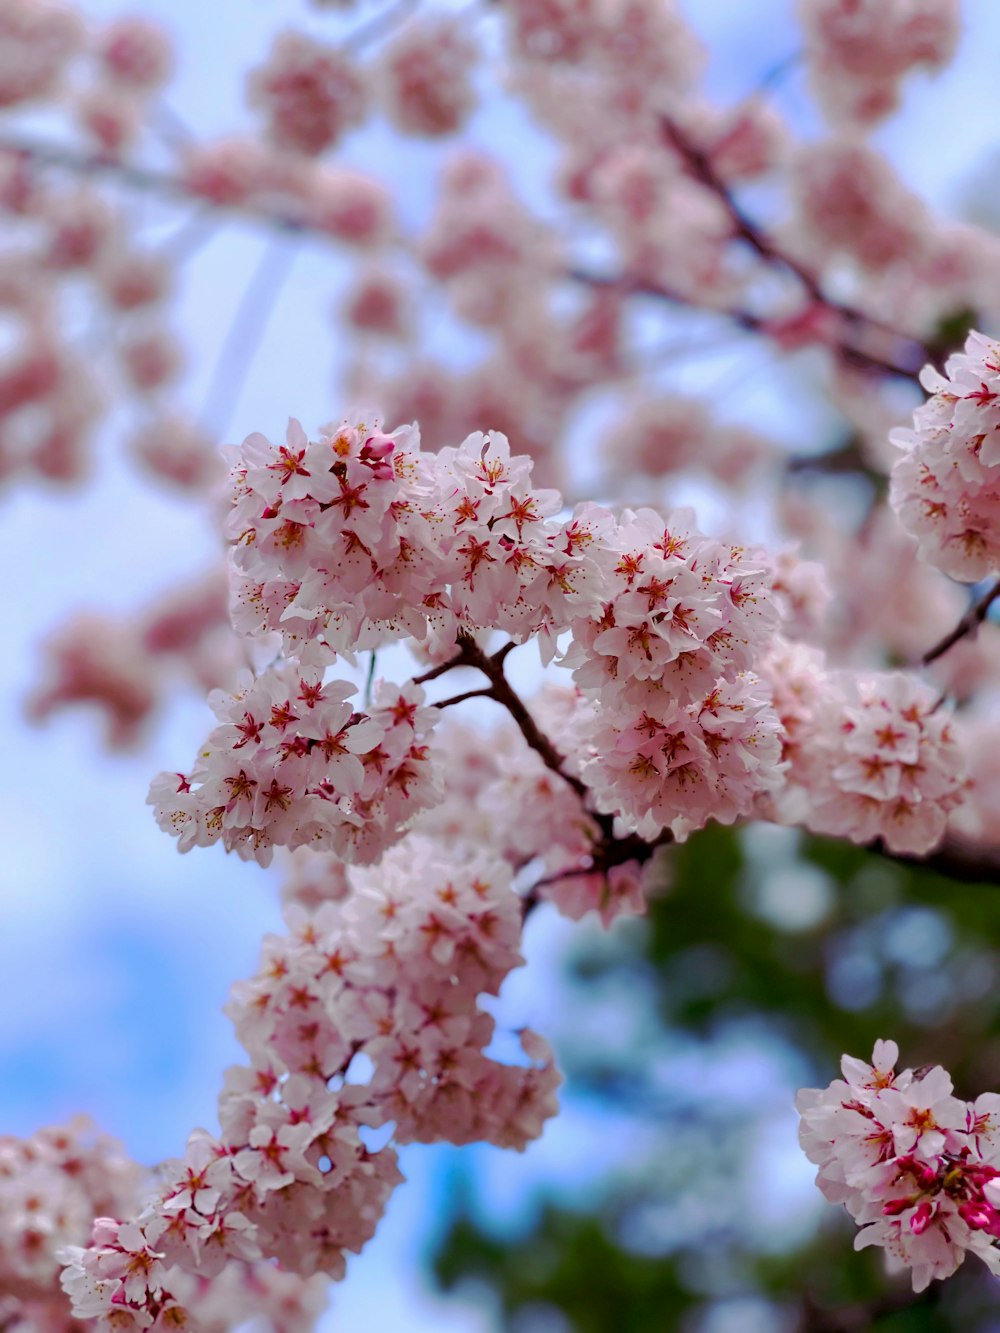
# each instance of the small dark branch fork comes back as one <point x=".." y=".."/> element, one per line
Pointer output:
<point x="500" y="689"/>
<point x="610" y="850"/>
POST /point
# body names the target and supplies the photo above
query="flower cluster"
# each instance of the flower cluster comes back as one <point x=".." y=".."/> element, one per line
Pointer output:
<point x="364" y="1014"/>
<point x="426" y="76"/>
<point x="870" y="754"/>
<point x="669" y="433"/>
<point x="293" y="764"/>
<point x="359" y="537"/>
<point x="917" y="1168"/>
<point x="850" y="202"/>
<point x="122" y="666"/>
<point x="682" y="730"/>
<point x="51" y="1187"/>
<point x="859" y="50"/>
<point x="946" y="487"/>
<point x="310" y="93"/>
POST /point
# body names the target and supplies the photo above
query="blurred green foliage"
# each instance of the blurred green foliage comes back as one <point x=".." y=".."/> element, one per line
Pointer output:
<point x="767" y="955"/>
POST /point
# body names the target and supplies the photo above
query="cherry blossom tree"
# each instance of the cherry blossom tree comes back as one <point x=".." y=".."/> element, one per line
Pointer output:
<point x="515" y="481"/>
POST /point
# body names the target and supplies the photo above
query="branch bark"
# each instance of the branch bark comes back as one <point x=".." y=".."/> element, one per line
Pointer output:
<point x="969" y="623"/>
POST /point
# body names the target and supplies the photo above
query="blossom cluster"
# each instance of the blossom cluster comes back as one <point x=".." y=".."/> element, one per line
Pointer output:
<point x="291" y="763"/>
<point x="870" y="755"/>
<point x="682" y="730"/>
<point x="946" y="487"/>
<point x="122" y="666"/>
<point x="363" y="1016"/>
<point x="360" y="537"/>
<point x="51" y="1187"/>
<point x="54" y="1184"/>
<point x="916" y="1167"/>
<point x="859" y="50"/>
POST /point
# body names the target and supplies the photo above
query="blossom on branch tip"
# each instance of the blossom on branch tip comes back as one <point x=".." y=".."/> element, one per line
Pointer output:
<point x="916" y="1167"/>
<point x="946" y="487"/>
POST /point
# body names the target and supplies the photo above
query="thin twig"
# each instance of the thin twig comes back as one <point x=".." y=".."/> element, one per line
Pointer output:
<point x="485" y="693"/>
<point x="504" y="694"/>
<point x="609" y="849"/>
<point x="743" y="319"/>
<point x="969" y="623"/>
<point x="439" y="670"/>
<point x="370" y="678"/>
<point x="702" y="169"/>
<point x="171" y="127"/>
<point x="170" y="186"/>
<point x="779" y="70"/>
<point x="700" y="166"/>
<point x="192" y="233"/>
<point x="148" y="180"/>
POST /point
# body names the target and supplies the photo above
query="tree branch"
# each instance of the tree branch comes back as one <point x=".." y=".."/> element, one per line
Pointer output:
<point x="965" y="862"/>
<point x="610" y="850"/>
<point x="501" y="690"/>
<point x="486" y="693"/>
<point x="743" y="319"/>
<point x="969" y="623"/>
<point x="701" y="168"/>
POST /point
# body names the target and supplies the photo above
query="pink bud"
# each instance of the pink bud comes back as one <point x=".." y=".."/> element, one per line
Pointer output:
<point x="922" y="1218"/>
<point x="893" y="1207"/>
<point x="976" y="1215"/>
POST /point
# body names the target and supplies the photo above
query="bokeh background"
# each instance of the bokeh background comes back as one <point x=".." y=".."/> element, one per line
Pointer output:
<point x="670" y="1193"/>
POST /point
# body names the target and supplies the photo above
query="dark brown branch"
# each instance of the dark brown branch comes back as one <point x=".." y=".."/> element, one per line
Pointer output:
<point x="486" y="693"/>
<point x="439" y="670"/>
<point x="743" y="319"/>
<point x="701" y="168"/>
<point x="609" y="850"/>
<point x="965" y="862"/>
<point x="969" y="623"/>
<point x="169" y="186"/>
<point x="501" y="690"/>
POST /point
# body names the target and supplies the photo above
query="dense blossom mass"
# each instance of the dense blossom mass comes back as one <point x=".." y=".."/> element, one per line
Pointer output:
<point x="52" y="1187"/>
<point x="365" y="1014"/>
<point x="870" y="756"/>
<point x="360" y="537"/>
<point x="293" y="764"/>
<point x="860" y="49"/>
<point x="686" y="705"/>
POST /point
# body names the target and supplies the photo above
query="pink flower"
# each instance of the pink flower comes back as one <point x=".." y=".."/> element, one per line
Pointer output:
<point x="309" y="92"/>
<point x="946" y="487"/>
